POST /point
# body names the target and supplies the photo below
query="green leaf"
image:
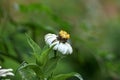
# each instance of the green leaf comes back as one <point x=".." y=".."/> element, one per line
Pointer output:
<point x="51" y="65"/>
<point x="33" y="67"/>
<point x="62" y="24"/>
<point x="66" y="76"/>
<point x="43" y="57"/>
<point x="36" y="48"/>
<point x="43" y="8"/>
<point x="34" y="7"/>
<point x="28" y="74"/>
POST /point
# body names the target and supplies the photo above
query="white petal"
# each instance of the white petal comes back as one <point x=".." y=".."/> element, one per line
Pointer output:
<point x="50" y="35"/>
<point x="7" y="74"/>
<point x="62" y="48"/>
<point x="65" y="49"/>
<point x="49" y="38"/>
<point x="5" y="70"/>
<point x="56" y="43"/>
<point x="10" y="74"/>
<point x="70" y="50"/>
<point x="3" y="75"/>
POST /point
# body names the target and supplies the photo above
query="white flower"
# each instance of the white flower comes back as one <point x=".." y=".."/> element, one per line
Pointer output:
<point x="60" y="41"/>
<point x="6" y="72"/>
<point x="78" y="76"/>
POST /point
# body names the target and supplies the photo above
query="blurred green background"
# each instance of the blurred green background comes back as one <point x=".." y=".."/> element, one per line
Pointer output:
<point x="94" y="26"/>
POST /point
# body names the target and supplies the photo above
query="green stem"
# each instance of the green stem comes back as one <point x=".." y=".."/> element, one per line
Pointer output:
<point x="55" y="53"/>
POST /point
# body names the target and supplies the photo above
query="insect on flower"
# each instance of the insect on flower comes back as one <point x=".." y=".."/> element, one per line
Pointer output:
<point x="6" y="72"/>
<point x="60" y="41"/>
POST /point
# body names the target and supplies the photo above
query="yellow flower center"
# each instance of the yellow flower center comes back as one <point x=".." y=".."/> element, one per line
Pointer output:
<point x="64" y="34"/>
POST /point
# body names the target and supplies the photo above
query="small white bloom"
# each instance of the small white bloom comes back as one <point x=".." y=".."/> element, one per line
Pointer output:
<point x="6" y="72"/>
<point x="60" y="41"/>
<point x="78" y="76"/>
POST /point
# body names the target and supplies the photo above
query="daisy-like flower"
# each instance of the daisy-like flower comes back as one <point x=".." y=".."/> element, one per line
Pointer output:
<point x="6" y="72"/>
<point x="60" y="41"/>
